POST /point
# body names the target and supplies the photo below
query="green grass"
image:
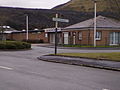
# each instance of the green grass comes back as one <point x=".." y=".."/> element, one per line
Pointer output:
<point x="89" y="46"/>
<point x="114" y="56"/>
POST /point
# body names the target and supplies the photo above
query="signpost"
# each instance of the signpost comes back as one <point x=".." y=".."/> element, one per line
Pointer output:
<point x="56" y="19"/>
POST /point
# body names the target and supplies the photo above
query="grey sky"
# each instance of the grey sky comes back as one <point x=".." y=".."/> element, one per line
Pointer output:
<point x="46" y="4"/>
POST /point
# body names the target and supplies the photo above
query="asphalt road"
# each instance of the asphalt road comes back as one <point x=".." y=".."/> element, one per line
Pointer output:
<point x="20" y="70"/>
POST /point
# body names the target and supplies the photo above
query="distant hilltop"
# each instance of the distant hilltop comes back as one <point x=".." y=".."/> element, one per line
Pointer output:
<point x="88" y="6"/>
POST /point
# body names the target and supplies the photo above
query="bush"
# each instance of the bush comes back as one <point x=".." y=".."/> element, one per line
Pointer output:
<point x="34" y="41"/>
<point x="14" y="45"/>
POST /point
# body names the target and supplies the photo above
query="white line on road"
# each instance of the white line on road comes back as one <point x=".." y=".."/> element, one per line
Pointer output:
<point x="105" y="89"/>
<point x="3" y="67"/>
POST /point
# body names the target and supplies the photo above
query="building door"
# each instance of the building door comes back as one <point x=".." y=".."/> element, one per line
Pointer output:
<point x="59" y="38"/>
<point x="74" y="40"/>
<point x="52" y="38"/>
<point x="114" y="38"/>
<point x="65" y="37"/>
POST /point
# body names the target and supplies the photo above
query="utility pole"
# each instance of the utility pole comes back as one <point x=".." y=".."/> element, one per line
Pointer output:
<point x="27" y="27"/>
<point x="95" y="14"/>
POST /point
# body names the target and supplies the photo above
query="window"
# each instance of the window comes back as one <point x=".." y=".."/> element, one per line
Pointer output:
<point x="98" y="35"/>
<point x="46" y="35"/>
<point x="80" y="35"/>
<point x="114" y="38"/>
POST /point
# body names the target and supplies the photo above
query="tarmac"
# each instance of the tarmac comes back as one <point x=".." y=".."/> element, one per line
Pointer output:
<point x="101" y="64"/>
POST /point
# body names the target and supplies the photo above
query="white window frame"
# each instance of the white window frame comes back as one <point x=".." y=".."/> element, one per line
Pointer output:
<point x="98" y="35"/>
<point x="80" y="35"/>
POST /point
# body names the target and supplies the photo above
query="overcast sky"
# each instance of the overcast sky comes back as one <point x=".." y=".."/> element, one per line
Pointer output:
<point x="45" y="4"/>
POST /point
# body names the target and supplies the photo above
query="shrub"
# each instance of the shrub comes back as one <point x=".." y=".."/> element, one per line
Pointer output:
<point x="14" y="45"/>
<point x="2" y="45"/>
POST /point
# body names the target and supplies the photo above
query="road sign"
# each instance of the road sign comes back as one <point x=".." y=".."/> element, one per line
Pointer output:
<point x="60" y="20"/>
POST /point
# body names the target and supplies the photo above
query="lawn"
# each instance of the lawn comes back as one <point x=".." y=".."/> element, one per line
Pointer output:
<point x="114" y="56"/>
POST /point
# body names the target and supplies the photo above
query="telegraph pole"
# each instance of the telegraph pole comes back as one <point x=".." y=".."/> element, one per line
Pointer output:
<point x="27" y="27"/>
<point x="95" y="14"/>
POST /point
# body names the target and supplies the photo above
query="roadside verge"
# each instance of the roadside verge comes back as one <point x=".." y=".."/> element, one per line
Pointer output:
<point x="102" y="64"/>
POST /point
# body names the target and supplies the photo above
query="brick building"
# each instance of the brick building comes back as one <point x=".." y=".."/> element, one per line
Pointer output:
<point x="33" y="35"/>
<point x="108" y="32"/>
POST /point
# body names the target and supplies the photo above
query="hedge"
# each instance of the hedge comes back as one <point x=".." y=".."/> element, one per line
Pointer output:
<point x="14" y="45"/>
<point x="34" y="41"/>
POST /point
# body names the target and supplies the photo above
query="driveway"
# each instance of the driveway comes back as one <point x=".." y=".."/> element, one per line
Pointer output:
<point x="20" y="70"/>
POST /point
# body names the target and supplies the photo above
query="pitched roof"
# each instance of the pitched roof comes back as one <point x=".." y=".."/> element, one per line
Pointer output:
<point x="102" y="22"/>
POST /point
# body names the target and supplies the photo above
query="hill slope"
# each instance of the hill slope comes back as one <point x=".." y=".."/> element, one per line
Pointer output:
<point x="38" y="18"/>
<point x="88" y="5"/>
<point x="42" y="18"/>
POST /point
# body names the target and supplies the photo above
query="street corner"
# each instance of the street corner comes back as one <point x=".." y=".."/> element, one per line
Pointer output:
<point x="101" y="64"/>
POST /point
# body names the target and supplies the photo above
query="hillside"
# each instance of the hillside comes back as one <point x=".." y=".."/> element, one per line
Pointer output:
<point x="38" y="18"/>
<point x="42" y="18"/>
<point x="88" y="6"/>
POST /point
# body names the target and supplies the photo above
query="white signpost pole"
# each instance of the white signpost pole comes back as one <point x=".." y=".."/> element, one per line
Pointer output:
<point x="56" y="19"/>
<point x="56" y="26"/>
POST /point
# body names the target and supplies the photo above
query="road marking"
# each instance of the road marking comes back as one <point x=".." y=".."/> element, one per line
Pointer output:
<point x="6" y="68"/>
<point x="105" y="89"/>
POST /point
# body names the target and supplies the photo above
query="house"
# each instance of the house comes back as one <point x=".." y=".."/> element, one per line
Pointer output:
<point x="108" y="32"/>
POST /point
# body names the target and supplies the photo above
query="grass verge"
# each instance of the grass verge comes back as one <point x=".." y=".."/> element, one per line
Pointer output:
<point x="114" y="46"/>
<point x="114" y="56"/>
